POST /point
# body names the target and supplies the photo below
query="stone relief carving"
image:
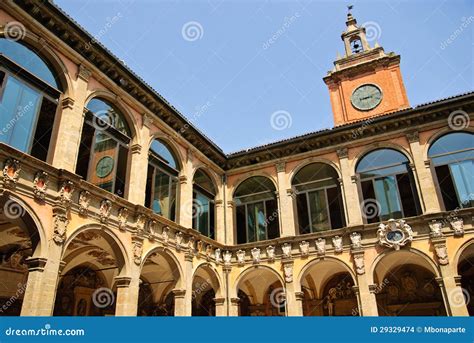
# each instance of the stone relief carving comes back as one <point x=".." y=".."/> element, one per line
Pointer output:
<point x="137" y="252"/>
<point x="153" y="229"/>
<point x="435" y="228"/>
<point x="457" y="225"/>
<point x="288" y="271"/>
<point x="60" y="226"/>
<point x="11" y="172"/>
<point x="227" y="257"/>
<point x="255" y="255"/>
<point x="165" y="234"/>
<point x="271" y="253"/>
<point x="179" y="240"/>
<point x="337" y="244"/>
<point x="191" y="242"/>
<point x="199" y="246"/>
<point x="140" y="224"/>
<point x="217" y="255"/>
<point x="394" y="234"/>
<point x="208" y="252"/>
<point x="321" y="246"/>
<point x="84" y="200"/>
<point x="356" y="240"/>
<point x="359" y="263"/>
<point x="241" y="257"/>
<point x="104" y="210"/>
<point x="65" y="193"/>
<point x="122" y="218"/>
<point x="442" y="253"/>
<point x="40" y="185"/>
<point x="286" y="248"/>
<point x="304" y="248"/>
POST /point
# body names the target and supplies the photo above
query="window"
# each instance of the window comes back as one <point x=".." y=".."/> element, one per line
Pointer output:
<point x="29" y="94"/>
<point x="256" y="210"/>
<point x="103" y="152"/>
<point x="203" y="198"/>
<point x="452" y="157"/>
<point x="387" y="186"/>
<point x="162" y="180"/>
<point x="318" y="198"/>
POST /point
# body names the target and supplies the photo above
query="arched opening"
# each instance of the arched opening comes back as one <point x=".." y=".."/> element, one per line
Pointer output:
<point x="318" y="198"/>
<point x="407" y="286"/>
<point x="19" y="240"/>
<point x="204" y="194"/>
<point x="466" y="272"/>
<point x="205" y="288"/>
<point x="261" y="293"/>
<point x="328" y="290"/>
<point x="105" y="143"/>
<point x="356" y="45"/>
<point x="257" y="213"/>
<point x="452" y="157"/>
<point x="159" y="277"/>
<point x="387" y="186"/>
<point x="86" y="287"/>
<point x="162" y="180"/>
<point x="30" y="93"/>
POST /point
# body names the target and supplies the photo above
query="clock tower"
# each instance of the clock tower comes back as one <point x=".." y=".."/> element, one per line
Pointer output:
<point x="366" y="81"/>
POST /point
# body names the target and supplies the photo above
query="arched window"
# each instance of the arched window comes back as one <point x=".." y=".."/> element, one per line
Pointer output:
<point x="162" y="180"/>
<point x="103" y="152"/>
<point x="452" y="157"/>
<point x="29" y="94"/>
<point x="318" y="198"/>
<point x="256" y="210"/>
<point x="387" y="186"/>
<point x="203" y="197"/>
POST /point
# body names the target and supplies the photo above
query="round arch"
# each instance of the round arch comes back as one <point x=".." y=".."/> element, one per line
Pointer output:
<point x="317" y="261"/>
<point x="250" y="270"/>
<point x="213" y="274"/>
<point x="210" y="173"/>
<point x="168" y="255"/>
<point x="438" y="134"/>
<point x="312" y="160"/>
<point x="378" y="146"/>
<point x="171" y="144"/>
<point x="457" y="256"/>
<point x="246" y="177"/>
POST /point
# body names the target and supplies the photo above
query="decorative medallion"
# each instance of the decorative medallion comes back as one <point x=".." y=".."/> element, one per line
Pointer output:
<point x="271" y="253"/>
<point x="11" y="172"/>
<point x="304" y="248"/>
<point x="255" y="255"/>
<point x="457" y="225"/>
<point x="65" y="193"/>
<point x="286" y="248"/>
<point x="84" y="200"/>
<point x="40" y="185"/>
<point x="104" y="210"/>
<point x="394" y="234"/>
<point x="241" y="257"/>
<point x="227" y="257"/>
<point x="337" y="244"/>
<point x="321" y="246"/>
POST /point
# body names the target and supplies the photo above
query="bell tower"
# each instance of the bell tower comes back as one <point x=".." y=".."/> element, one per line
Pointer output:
<point x="366" y="81"/>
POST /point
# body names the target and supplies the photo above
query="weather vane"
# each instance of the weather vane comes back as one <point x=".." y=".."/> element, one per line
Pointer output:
<point x="349" y="7"/>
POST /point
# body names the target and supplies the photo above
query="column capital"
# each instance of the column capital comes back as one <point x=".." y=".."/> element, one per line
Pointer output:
<point x="280" y="166"/>
<point x="136" y="148"/>
<point x="413" y="136"/>
<point x="457" y="280"/>
<point x="342" y="153"/>
<point x="84" y="73"/>
<point x="219" y="301"/>
<point x="67" y="103"/>
<point x="299" y="296"/>
<point x="36" y="263"/>
<point x="234" y="301"/>
<point x="122" y="281"/>
<point x="179" y="293"/>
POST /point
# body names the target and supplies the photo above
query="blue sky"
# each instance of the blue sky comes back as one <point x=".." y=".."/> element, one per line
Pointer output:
<point x="230" y="78"/>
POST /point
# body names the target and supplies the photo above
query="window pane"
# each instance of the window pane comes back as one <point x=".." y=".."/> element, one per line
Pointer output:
<point x="380" y="158"/>
<point x="211" y="220"/>
<point x="272" y="219"/>
<point x="409" y="201"/>
<point x="303" y="216"/>
<point x="447" y="188"/>
<point x="163" y="153"/>
<point x="318" y="211"/>
<point x="202" y="215"/>
<point x="261" y="220"/>
<point x="336" y="211"/>
<point x="241" y="220"/>
<point x="369" y="212"/>
<point x="387" y="196"/>
<point x="161" y="199"/>
<point x="18" y="111"/>
<point x="452" y="142"/>
<point x="104" y="162"/>
<point x="44" y="129"/>
<point x="251" y="223"/>
<point x="463" y="176"/>
<point x="84" y="150"/>
<point x="108" y="116"/>
<point x="174" y="183"/>
<point x="121" y="171"/>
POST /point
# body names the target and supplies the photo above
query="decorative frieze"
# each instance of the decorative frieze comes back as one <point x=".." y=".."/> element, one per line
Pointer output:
<point x="179" y="240"/>
<point x="40" y="185"/>
<point x="280" y="167"/>
<point x="137" y="252"/>
<point x="394" y="234"/>
<point x="227" y="257"/>
<point x="217" y="255"/>
<point x="208" y="252"/>
<point x="286" y="249"/>
<point x="83" y="73"/>
<point x="288" y="271"/>
<point x="413" y="136"/>
<point x="441" y="252"/>
<point x="342" y="153"/>
<point x="241" y="257"/>
<point x="359" y="262"/>
<point x="60" y="225"/>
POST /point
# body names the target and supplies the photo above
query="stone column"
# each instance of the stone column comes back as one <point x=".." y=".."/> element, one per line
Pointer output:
<point x="349" y="190"/>
<point x="188" y="279"/>
<point x="286" y="210"/>
<point x="234" y="307"/>
<point x="220" y="308"/>
<point x="127" y="295"/>
<point x="366" y="296"/>
<point x="32" y="288"/>
<point x="425" y="185"/>
<point x="293" y="307"/>
<point x="179" y="303"/>
<point x="67" y="140"/>
<point x="230" y="223"/>
<point x="185" y="210"/>
<point x="138" y="173"/>
<point x="220" y="235"/>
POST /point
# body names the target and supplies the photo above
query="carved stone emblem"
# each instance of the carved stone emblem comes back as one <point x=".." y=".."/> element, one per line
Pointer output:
<point x="441" y="253"/>
<point x="60" y="226"/>
<point x="137" y="252"/>
<point x="65" y="193"/>
<point x="359" y="263"/>
<point x="241" y="257"/>
<point x="122" y="218"/>
<point x="208" y="252"/>
<point x="458" y="226"/>
<point x="394" y="234"/>
<point x="153" y="229"/>
<point x="286" y="248"/>
<point x="321" y="246"/>
<point x="84" y="200"/>
<point x="191" y="242"/>
<point x="255" y="255"/>
<point x="199" y="246"/>
<point x="304" y="248"/>
<point x="217" y="255"/>
<point x="356" y="240"/>
<point x="11" y="172"/>
<point x="435" y="228"/>
<point x="140" y="224"/>
<point x="227" y="257"/>
<point x="179" y="240"/>
<point x="288" y="271"/>
<point x="337" y="244"/>
<point x="271" y="253"/>
<point x="104" y="210"/>
<point x="40" y="185"/>
<point x="165" y="235"/>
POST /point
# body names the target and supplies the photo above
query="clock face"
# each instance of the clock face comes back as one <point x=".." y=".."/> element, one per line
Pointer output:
<point x="104" y="167"/>
<point x="366" y="97"/>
